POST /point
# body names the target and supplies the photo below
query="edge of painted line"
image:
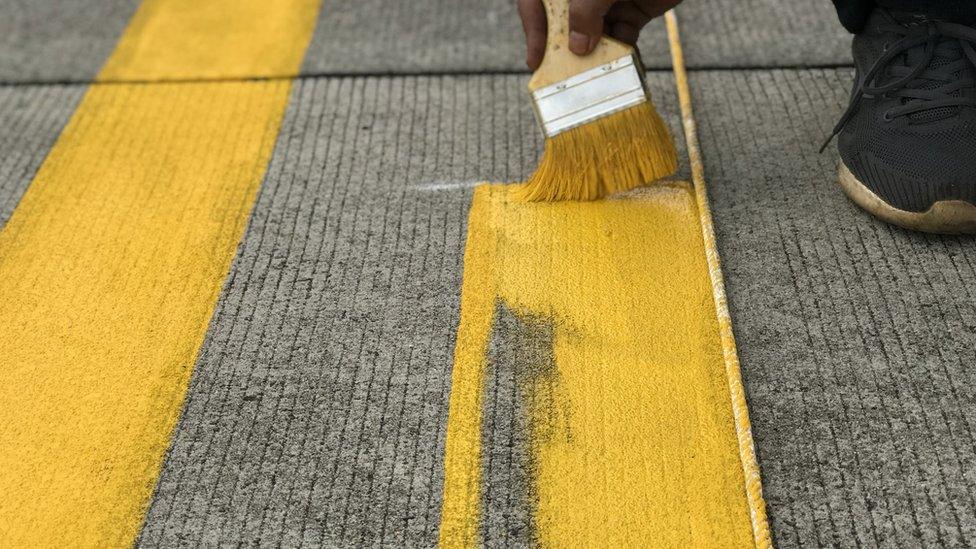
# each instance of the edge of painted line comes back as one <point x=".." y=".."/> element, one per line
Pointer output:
<point x="740" y="408"/>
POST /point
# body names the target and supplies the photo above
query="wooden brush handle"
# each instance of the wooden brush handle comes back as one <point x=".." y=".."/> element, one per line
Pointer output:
<point x="559" y="63"/>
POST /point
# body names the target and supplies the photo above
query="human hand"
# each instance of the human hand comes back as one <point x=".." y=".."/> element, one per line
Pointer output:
<point x="588" y="21"/>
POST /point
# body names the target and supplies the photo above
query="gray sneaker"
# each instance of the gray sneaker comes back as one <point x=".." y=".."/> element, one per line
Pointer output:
<point x="908" y="140"/>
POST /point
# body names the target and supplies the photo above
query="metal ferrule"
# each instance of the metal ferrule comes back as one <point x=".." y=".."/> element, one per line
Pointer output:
<point x="589" y="95"/>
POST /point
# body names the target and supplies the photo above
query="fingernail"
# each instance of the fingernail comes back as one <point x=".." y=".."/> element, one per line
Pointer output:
<point x="579" y="43"/>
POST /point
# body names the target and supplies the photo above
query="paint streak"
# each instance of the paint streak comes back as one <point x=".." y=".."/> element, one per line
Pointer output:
<point x="522" y="383"/>
<point x="648" y="456"/>
<point x="111" y="265"/>
<point x="740" y="408"/>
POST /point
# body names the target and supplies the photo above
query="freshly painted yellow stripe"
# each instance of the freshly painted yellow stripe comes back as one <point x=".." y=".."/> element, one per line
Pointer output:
<point x="112" y="264"/>
<point x="651" y="457"/>
<point x="655" y="449"/>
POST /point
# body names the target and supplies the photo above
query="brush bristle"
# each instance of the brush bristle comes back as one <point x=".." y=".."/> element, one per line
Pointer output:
<point x="616" y="153"/>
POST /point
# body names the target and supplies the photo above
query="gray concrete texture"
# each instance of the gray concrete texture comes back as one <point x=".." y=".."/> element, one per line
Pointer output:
<point x="377" y="36"/>
<point x="31" y="118"/>
<point x="520" y="380"/>
<point x="857" y="339"/>
<point x="58" y="41"/>
<point x="317" y="409"/>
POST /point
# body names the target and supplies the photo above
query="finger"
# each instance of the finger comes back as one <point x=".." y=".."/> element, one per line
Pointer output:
<point x="533" y="15"/>
<point x="654" y="8"/>
<point x="625" y="32"/>
<point x="586" y="24"/>
<point x="626" y="21"/>
<point x="630" y="13"/>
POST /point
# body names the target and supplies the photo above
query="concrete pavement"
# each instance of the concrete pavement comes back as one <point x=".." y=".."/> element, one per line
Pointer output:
<point x="856" y="339"/>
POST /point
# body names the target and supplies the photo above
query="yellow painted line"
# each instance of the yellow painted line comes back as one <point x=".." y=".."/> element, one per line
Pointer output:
<point x="111" y="265"/>
<point x="740" y="408"/>
<point x="213" y="39"/>
<point x="652" y="446"/>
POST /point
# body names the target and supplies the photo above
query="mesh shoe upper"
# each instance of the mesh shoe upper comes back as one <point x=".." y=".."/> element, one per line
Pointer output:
<point x="910" y="132"/>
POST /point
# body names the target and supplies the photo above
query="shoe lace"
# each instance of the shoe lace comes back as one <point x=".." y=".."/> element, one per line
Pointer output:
<point x="922" y="85"/>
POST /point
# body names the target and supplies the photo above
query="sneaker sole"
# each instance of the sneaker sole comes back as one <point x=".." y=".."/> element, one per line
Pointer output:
<point x="944" y="217"/>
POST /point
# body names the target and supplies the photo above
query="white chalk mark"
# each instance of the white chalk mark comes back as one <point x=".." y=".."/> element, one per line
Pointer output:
<point x="447" y="185"/>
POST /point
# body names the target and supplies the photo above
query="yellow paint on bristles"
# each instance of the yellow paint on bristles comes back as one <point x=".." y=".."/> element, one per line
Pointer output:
<point x="616" y="153"/>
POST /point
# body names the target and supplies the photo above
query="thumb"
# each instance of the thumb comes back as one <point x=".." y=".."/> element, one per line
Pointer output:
<point x="586" y="24"/>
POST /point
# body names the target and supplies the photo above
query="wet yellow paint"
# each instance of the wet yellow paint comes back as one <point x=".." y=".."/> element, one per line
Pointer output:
<point x="649" y="456"/>
<point x="112" y="263"/>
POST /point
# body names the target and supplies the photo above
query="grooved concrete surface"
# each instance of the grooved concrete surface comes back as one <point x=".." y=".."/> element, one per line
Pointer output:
<point x="520" y="375"/>
<point x="317" y="408"/>
<point x="376" y="36"/>
<point x="857" y="339"/>
<point x="31" y="118"/>
<point x="55" y="41"/>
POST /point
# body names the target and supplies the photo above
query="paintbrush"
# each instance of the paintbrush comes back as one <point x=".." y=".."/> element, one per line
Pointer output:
<point x="603" y="134"/>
